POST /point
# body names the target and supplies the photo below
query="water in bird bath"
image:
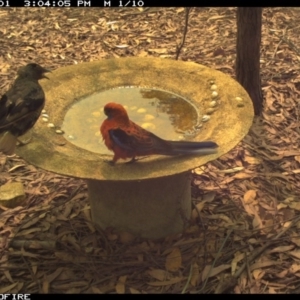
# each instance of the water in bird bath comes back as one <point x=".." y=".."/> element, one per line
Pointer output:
<point x="165" y="114"/>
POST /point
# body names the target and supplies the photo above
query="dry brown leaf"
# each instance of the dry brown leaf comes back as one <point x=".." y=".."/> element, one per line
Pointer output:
<point x="281" y="205"/>
<point x="143" y="54"/>
<point x="269" y="225"/>
<point x="216" y="18"/>
<point x="198" y="171"/>
<point x="237" y="258"/>
<point x="208" y="272"/>
<point x="158" y="274"/>
<point x="8" y="276"/>
<point x="134" y="291"/>
<point x="121" y="46"/>
<point x="271" y="290"/>
<point x="282" y="274"/>
<point x="168" y="282"/>
<point x="179" y="10"/>
<point x="63" y="256"/>
<point x="209" y="197"/>
<point x="295" y="205"/>
<point x="287" y="224"/>
<point x="263" y="264"/>
<point x="55" y="274"/>
<point x="31" y="223"/>
<point x="25" y="254"/>
<point x="250" y="209"/>
<point x="174" y="260"/>
<point x="194" y="215"/>
<point x="295" y="238"/>
<point x="253" y="160"/>
<point x="295" y="171"/>
<point x="96" y="290"/>
<point x="243" y="175"/>
<point x="249" y="196"/>
<point x="45" y="286"/>
<point x="258" y="274"/>
<point x="295" y="253"/>
<point x="159" y="50"/>
<point x="8" y="288"/>
<point x="199" y="206"/>
<point x="257" y="222"/>
<point x="120" y="286"/>
<point x="29" y="231"/>
<point x="89" y="223"/>
<point x="282" y="249"/>
<point x="71" y="285"/>
<point x="68" y="238"/>
<point x="294" y="268"/>
<point x="233" y="170"/>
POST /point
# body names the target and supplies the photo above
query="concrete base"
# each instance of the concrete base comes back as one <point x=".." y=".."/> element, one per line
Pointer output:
<point x="152" y="208"/>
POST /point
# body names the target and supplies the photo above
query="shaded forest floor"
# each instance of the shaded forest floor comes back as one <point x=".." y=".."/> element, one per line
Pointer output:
<point x="244" y="232"/>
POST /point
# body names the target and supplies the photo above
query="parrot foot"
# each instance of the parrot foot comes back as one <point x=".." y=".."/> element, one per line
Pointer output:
<point x="110" y="162"/>
<point x="134" y="159"/>
<point x="131" y="161"/>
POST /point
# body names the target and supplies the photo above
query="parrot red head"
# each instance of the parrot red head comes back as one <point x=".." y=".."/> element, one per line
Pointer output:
<point x="115" y="110"/>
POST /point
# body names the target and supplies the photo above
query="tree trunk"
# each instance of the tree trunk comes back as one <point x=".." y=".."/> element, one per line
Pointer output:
<point x="248" y="53"/>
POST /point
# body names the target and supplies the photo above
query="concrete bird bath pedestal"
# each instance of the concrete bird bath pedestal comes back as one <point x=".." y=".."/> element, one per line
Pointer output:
<point x="150" y="198"/>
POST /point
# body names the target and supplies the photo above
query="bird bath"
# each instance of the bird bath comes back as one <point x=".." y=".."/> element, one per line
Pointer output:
<point x="150" y="198"/>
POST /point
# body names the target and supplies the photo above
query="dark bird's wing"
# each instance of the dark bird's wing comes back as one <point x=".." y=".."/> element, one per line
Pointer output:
<point x="21" y="106"/>
<point x="4" y="107"/>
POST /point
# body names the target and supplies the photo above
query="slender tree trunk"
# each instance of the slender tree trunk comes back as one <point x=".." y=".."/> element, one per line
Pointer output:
<point x="248" y="53"/>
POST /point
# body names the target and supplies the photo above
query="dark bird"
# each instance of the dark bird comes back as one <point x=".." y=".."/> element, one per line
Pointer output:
<point x="21" y="106"/>
<point x="128" y="140"/>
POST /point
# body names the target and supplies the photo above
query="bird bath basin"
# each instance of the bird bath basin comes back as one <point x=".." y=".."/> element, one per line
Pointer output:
<point x="165" y="114"/>
<point x="150" y="198"/>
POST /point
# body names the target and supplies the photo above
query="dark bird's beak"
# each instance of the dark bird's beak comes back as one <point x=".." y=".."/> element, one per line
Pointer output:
<point x="46" y="71"/>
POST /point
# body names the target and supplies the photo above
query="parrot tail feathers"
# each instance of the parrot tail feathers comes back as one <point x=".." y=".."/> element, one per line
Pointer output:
<point x="8" y="143"/>
<point x="201" y="148"/>
<point x="203" y="151"/>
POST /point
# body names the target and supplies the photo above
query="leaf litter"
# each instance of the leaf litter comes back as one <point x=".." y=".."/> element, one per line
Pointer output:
<point x="243" y="236"/>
